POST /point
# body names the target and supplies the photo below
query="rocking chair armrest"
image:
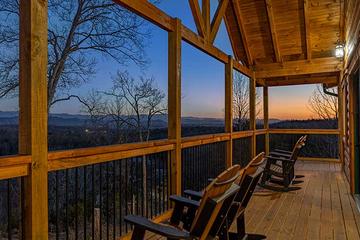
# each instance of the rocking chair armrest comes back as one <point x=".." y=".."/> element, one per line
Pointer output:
<point x="274" y="159"/>
<point x="186" y="202"/>
<point x="283" y="151"/>
<point x="194" y="195"/>
<point x="278" y="154"/>
<point x="143" y="224"/>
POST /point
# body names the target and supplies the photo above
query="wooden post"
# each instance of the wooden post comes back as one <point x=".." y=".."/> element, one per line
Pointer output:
<point x="229" y="109"/>
<point x="33" y="115"/>
<point x="266" y="119"/>
<point x="252" y="114"/>
<point x="341" y="122"/>
<point x="174" y="104"/>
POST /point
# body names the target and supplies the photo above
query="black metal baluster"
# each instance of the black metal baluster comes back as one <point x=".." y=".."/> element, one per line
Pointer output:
<point x="114" y="199"/>
<point x="158" y="158"/>
<point x="76" y="202"/>
<point x="120" y="198"/>
<point x="163" y="181"/>
<point x="9" y="210"/>
<point x="138" y="184"/>
<point x="151" y="187"/>
<point x="93" y="201"/>
<point x="67" y="203"/>
<point x="85" y="186"/>
<point x="126" y="193"/>
<point x="57" y="205"/>
<point x="107" y="201"/>
<point x="100" y="197"/>
<point x="155" y="185"/>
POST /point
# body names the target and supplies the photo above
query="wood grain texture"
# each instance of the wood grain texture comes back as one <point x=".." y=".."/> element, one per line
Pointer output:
<point x="33" y="115"/>
<point x="229" y="109"/>
<point x="174" y="104"/>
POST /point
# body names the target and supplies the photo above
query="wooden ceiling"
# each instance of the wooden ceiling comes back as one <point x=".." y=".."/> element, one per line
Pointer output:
<point x="278" y="38"/>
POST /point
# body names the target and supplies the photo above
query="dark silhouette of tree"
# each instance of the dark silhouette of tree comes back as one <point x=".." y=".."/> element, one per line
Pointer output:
<point x="78" y="31"/>
<point x="322" y="105"/>
<point x="241" y="102"/>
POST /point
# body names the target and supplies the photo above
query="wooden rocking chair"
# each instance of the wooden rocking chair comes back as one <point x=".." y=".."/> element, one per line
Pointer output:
<point x="247" y="183"/>
<point x="211" y="211"/>
<point x="280" y="169"/>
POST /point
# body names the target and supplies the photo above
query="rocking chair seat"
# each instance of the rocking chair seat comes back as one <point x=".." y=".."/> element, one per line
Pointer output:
<point x="164" y="230"/>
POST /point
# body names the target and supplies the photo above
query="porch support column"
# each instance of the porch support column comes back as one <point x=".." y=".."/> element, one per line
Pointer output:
<point x="33" y="115"/>
<point x="266" y="119"/>
<point x="253" y="115"/>
<point x="229" y="109"/>
<point x="174" y="105"/>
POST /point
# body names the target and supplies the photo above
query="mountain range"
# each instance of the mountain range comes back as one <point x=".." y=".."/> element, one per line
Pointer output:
<point x="159" y="121"/>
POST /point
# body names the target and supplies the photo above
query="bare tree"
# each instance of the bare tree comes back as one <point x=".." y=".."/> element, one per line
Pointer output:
<point x="78" y="30"/>
<point x="142" y="101"/>
<point x="129" y="104"/>
<point x="322" y="105"/>
<point x="241" y="102"/>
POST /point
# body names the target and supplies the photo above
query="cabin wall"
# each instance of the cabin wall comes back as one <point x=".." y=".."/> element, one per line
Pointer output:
<point x="351" y="35"/>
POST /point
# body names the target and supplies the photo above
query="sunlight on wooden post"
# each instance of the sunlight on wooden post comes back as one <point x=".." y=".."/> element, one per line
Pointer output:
<point x="174" y="105"/>
<point x="33" y="115"/>
<point x="229" y="109"/>
<point x="252" y="114"/>
<point x="266" y="119"/>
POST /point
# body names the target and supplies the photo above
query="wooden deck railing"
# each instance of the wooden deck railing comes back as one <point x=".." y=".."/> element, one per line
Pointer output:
<point x="202" y="157"/>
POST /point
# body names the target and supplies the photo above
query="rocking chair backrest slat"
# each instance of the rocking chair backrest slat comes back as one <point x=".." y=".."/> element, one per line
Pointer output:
<point x="298" y="146"/>
<point x="220" y="190"/>
<point x="251" y="170"/>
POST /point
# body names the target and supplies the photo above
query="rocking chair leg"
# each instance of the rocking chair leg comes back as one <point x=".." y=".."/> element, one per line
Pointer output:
<point x="299" y="176"/>
<point x="138" y="234"/>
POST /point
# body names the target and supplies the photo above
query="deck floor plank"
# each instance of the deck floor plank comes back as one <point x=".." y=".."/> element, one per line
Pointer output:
<point x="322" y="209"/>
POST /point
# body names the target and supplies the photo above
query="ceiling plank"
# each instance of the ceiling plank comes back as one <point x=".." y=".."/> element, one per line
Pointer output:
<point x="206" y="16"/>
<point x="301" y="67"/>
<point x="307" y="29"/>
<point x="275" y="42"/>
<point x="219" y="14"/>
<point x="199" y="22"/>
<point x="244" y="38"/>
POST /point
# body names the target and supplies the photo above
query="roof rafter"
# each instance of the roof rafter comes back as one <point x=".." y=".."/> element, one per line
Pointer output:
<point x="307" y="29"/>
<point x="219" y="14"/>
<point x="198" y="19"/>
<point x="206" y="16"/>
<point x="240" y="21"/>
<point x="275" y="42"/>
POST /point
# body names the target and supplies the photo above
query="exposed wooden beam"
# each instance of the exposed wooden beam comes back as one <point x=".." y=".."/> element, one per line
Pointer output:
<point x="307" y="28"/>
<point x="174" y="104"/>
<point x="275" y="42"/>
<point x="150" y="12"/>
<point x="301" y="67"/>
<point x="238" y="16"/>
<point x="219" y="15"/>
<point x="33" y="115"/>
<point x="206" y="17"/>
<point x="329" y="81"/>
<point x="198" y="19"/>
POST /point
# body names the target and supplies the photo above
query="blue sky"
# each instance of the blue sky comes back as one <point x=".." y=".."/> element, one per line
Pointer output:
<point x="202" y="75"/>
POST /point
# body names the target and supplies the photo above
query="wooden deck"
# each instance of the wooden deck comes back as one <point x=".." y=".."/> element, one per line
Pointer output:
<point x="322" y="209"/>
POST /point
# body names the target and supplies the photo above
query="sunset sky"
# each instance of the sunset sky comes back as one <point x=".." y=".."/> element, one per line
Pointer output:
<point x="202" y="76"/>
